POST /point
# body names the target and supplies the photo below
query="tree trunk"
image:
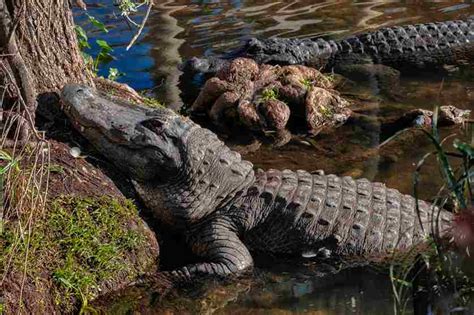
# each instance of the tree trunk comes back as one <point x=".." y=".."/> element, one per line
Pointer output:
<point x="38" y="54"/>
<point x="47" y="43"/>
<point x="39" y="44"/>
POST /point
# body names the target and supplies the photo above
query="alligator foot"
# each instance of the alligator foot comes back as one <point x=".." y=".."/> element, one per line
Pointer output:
<point x="447" y="116"/>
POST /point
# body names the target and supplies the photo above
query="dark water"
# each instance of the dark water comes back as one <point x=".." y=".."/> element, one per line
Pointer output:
<point x="178" y="30"/>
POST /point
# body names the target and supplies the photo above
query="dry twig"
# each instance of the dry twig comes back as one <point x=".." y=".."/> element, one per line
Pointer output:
<point x="142" y="25"/>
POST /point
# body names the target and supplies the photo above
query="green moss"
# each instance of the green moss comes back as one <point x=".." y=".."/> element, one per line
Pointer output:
<point x="269" y="94"/>
<point x="93" y="240"/>
<point x="152" y="102"/>
<point x="307" y="83"/>
<point x="82" y="243"/>
<point x="326" y="112"/>
<point x="56" y="168"/>
<point x="331" y="77"/>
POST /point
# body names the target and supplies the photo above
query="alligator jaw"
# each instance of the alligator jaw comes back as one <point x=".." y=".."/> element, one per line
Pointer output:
<point x="141" y="141"/>
<point x="119" y="122"/>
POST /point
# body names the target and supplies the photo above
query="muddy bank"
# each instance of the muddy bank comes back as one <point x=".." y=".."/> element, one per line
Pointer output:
<point x="88" y="241"/>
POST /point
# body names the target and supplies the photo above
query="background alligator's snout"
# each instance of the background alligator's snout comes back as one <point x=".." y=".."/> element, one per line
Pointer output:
<point x="72" y="92"/>
<point x="199" y="65"/>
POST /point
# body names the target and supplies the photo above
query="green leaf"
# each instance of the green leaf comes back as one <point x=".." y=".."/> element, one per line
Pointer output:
<point x="87" y="58"/>
<point x="114" y="74"/>
<point x="98" y="24"/>
<point x="464" y="148"/>
<point x="12" y="163"/>
<point x="81" y="33"/>
<point x="104" y="46"/>
<point x="104" y="58"/>
<point x="402" y="282"/>
<point x="82" y="37"/>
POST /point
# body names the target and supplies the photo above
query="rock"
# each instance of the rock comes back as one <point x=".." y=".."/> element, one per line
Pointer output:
<point x="447" y="115"/>
<point x="226" y="100"/>
<point x="276" y="114"/>
<point x="293" y="94"/>
<point x="239" y="70"/>
<point x="248" y="115"/>
<point x="214" y="87"/>
<point x="265" y="97"/>
<point x="303" y="76"/>
<point x="450" y="115"/>
<point x="323" y="107"/>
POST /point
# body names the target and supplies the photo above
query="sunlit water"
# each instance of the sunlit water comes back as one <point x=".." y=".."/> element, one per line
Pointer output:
<point x="178" y="30"/>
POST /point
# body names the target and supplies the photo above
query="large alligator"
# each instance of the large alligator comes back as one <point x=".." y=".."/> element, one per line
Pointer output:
<point x="401" y="47"/>
<point x="196" y="185"/>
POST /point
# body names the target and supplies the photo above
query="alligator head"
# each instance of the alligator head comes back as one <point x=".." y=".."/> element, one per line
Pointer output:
<point x="144" y="143"/>
<point x="202" y="65"/>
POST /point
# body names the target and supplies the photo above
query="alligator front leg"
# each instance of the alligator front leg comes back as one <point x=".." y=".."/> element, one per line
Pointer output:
<point x="219" y="246"/>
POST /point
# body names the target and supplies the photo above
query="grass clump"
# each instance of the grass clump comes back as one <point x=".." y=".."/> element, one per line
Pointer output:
<point x="81" y="244"/>
<point x="445" y="268"/>
<point x="152" y="102"/>
<point x="92" y="240"/>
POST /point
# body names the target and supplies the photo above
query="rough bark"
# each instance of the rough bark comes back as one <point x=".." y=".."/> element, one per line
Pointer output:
<point x="38" y="54"/>
<point x="47" y="43"/>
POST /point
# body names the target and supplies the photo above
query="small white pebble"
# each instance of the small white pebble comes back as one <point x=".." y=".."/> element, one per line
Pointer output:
<point x="309" y="254"/>
<point x="75" y="152"/>
<point x="353" y="302"/>
<point x="305" y="143"/>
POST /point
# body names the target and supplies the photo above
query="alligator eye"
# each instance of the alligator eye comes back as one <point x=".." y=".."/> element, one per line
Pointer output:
<point x="154" y="125"/>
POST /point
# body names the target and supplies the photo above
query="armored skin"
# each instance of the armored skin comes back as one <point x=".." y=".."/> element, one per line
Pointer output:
<point x="194" y="183"/>
<point x="403" y="47"/>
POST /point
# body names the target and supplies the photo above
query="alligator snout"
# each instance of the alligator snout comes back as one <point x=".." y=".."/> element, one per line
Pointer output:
<point x="71" y="92"/>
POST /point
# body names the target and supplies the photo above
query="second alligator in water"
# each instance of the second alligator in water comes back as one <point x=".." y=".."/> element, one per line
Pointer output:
<point x="195" y="184"/>
<point x="401" y="47"/>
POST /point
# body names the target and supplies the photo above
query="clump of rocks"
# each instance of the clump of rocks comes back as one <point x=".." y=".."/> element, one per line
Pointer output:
<point x="265" y="98"/>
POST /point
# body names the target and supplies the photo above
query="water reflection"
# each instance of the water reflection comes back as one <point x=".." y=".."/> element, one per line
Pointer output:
<point x="178" y="30"/>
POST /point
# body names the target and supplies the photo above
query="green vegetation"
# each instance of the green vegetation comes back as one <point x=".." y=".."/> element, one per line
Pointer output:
<point x="447" y="269"/>
<point x="127" y="9"/>
<point x="307" y="83"/>
<point x="9" y="162"/>
<point x="81" y="243"/>
<point x="114" y="74"/>
<point x="152" y="102"/>
<point x="325" y="111"/>
<point x="104" y="56"/>
<point x="269" y="94"/>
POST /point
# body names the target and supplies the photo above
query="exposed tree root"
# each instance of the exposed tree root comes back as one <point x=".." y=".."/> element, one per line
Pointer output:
<point x="17" y="78"/>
